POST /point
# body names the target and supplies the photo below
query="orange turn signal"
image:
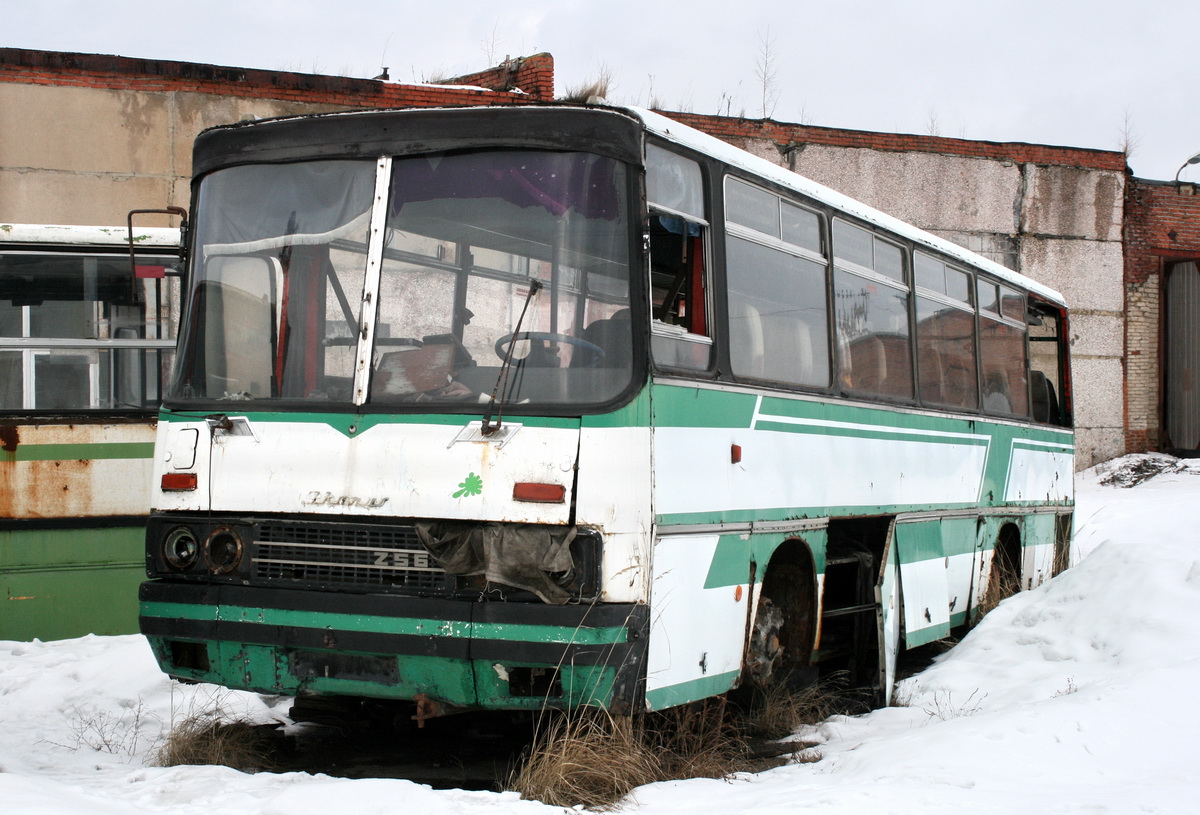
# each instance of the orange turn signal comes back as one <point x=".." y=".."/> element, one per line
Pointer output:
<point x="178" y="482"/>
<point x="539" y="493"/>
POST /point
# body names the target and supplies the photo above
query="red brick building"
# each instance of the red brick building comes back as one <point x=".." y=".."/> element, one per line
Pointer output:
<point x="1162" y="250"/>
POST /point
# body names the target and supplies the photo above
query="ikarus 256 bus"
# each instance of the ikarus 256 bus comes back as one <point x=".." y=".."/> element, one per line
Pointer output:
<point x="506" y="408"/>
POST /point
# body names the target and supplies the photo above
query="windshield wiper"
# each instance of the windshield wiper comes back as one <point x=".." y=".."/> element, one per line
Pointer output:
<point x="502" y="378"/>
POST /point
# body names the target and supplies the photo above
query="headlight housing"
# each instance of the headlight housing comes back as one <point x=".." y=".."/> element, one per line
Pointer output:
<point x="223" y="550"/>
<point x="180" y="549"/>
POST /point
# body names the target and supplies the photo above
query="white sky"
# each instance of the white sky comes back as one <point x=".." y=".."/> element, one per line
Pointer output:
<point x="1064" y="72"/>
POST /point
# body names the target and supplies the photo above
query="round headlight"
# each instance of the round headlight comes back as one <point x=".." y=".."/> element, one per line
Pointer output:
<point x="223" y="550"/>
<point x="180" y="549"/>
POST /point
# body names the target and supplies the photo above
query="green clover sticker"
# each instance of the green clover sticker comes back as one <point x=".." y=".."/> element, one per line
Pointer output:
<point x="471" y="485"/>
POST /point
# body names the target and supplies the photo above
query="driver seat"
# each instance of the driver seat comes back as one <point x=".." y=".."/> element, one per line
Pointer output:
<point x="614" y="335"/>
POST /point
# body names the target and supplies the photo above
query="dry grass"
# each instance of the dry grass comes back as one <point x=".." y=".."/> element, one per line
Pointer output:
<point x="1000" y="587"/>
<point x="587" y="758"/>
<point x="592" y="759"/>
<point x="205" y="738"/>
<point x="781" y="710"/>
<point x="590" y="91"/>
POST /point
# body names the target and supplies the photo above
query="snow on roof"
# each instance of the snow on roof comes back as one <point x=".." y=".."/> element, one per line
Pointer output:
<point x="63" y="234"/>
<point x="690" y="137"/>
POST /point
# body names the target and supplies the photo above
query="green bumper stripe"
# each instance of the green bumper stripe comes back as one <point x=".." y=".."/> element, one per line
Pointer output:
<point x="389" y="625"/>
<point x="690" y="691"/>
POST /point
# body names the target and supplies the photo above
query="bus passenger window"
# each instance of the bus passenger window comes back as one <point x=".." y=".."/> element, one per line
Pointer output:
<point x="1047" y="353"/>
<point x="680" y="326"/>
<point x="776" y="269"/>
<point x="1002" y="350"/>
<point x="946" y="371"/>
<point x="871" y="313"/>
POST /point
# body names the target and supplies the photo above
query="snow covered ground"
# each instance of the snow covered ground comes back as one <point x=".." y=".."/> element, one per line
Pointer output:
<point x="1077" y="697"/>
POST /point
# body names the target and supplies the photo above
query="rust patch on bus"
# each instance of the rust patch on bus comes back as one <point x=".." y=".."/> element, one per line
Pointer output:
<point x="50" y="489"/>
<point x="10" y="437"/>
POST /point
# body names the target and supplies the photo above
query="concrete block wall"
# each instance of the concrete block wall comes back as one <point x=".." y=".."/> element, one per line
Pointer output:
<point x="85" y="138"/>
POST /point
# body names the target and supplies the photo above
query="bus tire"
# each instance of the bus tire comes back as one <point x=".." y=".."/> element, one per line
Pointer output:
<point x="780" y="640"/>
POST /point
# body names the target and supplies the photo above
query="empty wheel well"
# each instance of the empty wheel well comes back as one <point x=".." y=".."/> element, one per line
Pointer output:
<point x="785" y="628"/>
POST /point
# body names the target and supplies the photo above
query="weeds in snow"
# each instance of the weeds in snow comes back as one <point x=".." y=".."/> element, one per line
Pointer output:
<point x="104" y="731"/>
<point x="943" y="707"/>
<point x="211" y="734"/>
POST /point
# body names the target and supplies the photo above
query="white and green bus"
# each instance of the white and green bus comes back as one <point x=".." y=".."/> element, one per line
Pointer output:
<point x="85" y="343"/>
<point x="504" y="408"/>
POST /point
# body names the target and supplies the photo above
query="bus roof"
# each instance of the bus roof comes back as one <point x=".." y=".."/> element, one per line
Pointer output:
<point x="681" y="134"/>
<point x="69" y="235"/>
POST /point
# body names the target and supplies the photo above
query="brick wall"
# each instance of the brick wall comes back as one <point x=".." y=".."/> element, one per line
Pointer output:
<point x="528" y="79"/>
<point x="529" y="75"/>
<point x="1162" y="226"/>
<point x="735" y="131"/>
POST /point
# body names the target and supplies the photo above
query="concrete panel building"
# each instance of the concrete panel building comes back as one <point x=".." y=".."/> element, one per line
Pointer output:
<point x="85" y="138"/>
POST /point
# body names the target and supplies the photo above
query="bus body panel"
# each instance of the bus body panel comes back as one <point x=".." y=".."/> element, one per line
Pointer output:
<point x="699" y="623"/>
<point x="620" y="236"/>
<point x="82" y="344"/>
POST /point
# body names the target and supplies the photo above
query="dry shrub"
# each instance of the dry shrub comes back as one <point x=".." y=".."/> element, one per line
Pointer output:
<point x="587" y="758"/>
<point x="700" y="740"/>
<point x="593" y="759"/>
<point x="1001" y="585"/>
<point x="590" y="91"/>
<point x="780" y="710"/>
<point x="205" y="738"/>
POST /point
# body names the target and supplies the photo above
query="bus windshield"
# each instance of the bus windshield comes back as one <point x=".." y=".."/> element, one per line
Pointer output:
<point x="499" y="271"/>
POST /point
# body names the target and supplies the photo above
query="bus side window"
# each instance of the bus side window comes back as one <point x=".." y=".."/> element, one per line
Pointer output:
<point x="1002" y="349"/>
<point x="776" y="267"/>
<point x="680" y="324"/>
<point x="871" y="293"/>
<point x="1047" y="396"/>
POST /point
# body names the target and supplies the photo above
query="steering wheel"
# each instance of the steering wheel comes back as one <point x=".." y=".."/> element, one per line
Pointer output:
<point x="595" y="350"/>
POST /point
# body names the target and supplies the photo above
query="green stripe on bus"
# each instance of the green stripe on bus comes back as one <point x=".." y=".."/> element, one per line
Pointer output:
<point x="873" y="433"/>
<point x="362" y="422"/>
<point x="411" y="626"/>
<point x="79" y="452"/>
<point x="690" y="691"/>
<point x="682" y="406"/>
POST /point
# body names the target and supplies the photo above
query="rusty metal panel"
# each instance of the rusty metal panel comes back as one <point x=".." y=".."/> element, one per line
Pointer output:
<point x="75" y="470"/>
<point x="1183" y="357"/>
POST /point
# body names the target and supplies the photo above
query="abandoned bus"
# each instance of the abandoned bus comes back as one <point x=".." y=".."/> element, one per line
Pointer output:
<point x="84" y="345"/>
<point x="503" y="408"/>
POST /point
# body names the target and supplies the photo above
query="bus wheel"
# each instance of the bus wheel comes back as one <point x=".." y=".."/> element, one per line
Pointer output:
<point x="782" y="634"/>
<point x="766" y="647"/>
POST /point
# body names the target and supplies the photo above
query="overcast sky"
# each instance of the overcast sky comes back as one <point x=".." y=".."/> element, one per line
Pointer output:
<point x="1095" y="74"/>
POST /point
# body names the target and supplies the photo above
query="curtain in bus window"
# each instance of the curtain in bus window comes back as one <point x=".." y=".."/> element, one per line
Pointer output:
<point x="777" y="315"/>
<point x="674" y="182"/>
<point x="946" y="354"/>
<point x="309" y="203"/>
<point x="556" y="182"/>
<point x="1002" y="354"/>
<point x="873" y="339"/>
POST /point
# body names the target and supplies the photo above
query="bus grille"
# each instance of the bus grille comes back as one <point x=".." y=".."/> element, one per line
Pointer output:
<point x="347" y="556"/>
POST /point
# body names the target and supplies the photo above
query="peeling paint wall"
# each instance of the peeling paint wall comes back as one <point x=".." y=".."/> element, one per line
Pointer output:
<point x="85" y="138"/>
